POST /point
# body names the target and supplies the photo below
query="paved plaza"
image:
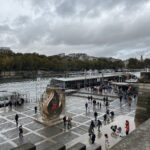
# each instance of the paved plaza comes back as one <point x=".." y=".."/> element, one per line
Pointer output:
<point x="44" y="136"/>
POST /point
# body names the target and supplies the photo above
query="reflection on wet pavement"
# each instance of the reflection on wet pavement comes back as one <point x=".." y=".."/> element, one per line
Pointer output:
<point x="75" y="108"/>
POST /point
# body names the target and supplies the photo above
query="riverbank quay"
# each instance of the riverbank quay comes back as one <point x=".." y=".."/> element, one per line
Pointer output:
<point x="18" y="75"/>
<point x="44" y="136"/>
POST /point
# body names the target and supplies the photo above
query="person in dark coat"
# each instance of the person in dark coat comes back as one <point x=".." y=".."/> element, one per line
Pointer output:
<point x="16" y="119"/>
<point x="95" y="115"/>
<point x="93" y="138"/>
<point x="20" y="131"/>
<point x="86" y="106"/>
<point x="99" y="124"/>
<point x="35" y="109"/>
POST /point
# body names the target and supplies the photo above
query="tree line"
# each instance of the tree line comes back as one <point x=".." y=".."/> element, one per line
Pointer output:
<point x="34" y="62"/>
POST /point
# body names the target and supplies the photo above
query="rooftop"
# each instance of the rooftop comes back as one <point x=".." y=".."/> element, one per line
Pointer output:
<point x="90" y="76"/>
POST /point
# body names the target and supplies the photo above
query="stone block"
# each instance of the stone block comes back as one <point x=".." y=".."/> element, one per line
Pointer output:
<point x="78" y="146"/>
<point x="26" y="146"/>
<point x="98" y="148"/>
<point x="94" y="147"/>
<point x="57" y="146"/>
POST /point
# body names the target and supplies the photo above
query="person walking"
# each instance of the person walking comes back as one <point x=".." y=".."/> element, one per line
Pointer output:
<point x="127" y="127"/>
<point x="94" y="102"/>
<point x="95" y="115"/>
<point x="16" y="119"/>
<point x="105" y="118"/>
<point x="93" y="138"/>
<point x="86" y="106"/>
<point x="92" y="125"/>
<point x="20" y="131"/>
<point x="35" y="109"/>
<point x="107" y="104"/>
<point x="65" y="121"/>
<point x="99" y="124"/>
<point x="112" y="115"/>
<point x="69" y="122"/>
<point x="100" y="105"/>
<point x="90" y="131"/>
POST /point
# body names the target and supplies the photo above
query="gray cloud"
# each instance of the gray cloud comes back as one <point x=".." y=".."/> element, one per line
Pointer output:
<point x="102" y="28"/>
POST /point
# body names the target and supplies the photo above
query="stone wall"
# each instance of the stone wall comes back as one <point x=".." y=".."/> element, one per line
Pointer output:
<point x="143" y="106"/>
<point x="145" y="77"/>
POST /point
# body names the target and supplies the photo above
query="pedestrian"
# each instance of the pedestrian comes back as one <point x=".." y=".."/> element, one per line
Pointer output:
<point x="120" y="98"/>
<point x="90" y="131"/>
<point x="112" y="115"/>
<point x="94" y="102"/>
<point x="119" y="132"/>
<point x="107" y="112"/>
<point x="35" y="109"/>
<point x="93" y="138"/>
<point x="20" y="131"/>
<point x="92" y="125"/>
<point x="16" y="119"/>
<point x="106" y="142"/>
<point x="95" y="115"/>
<point x="97" y="104"/>
<point x="105" y="118"/>
<point x="99" y="124"/>
<point x="69" y="122"/>
<point x="65" y="121"/>
<point x="107" y="104"/>
<point x="86" y="106"/>
<point x="127" y="127"/>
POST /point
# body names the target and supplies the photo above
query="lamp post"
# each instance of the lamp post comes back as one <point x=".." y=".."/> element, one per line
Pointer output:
<point x="85" y="79"/>
<point x="36" y="90"/>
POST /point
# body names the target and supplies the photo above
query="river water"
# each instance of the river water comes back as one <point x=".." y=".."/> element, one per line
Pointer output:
<point x="31" y="88"/>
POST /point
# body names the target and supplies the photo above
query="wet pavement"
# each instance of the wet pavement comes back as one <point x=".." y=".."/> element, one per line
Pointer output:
<point x="44" y="136"/>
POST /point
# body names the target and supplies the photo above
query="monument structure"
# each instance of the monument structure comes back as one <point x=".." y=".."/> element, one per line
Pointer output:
<point x="52" y="106"/>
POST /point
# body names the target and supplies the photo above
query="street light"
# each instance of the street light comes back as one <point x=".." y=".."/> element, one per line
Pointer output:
<point x="85" y="79"/>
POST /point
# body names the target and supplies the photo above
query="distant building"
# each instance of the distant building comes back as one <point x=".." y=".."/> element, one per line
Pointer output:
<point x="81" y="56"/>
<point x="126" y="62"/>
<point x="141" y="58"/>
<point x="5" y="50"/>
<point x="113" y="59"/>
<point x="61" y="55"/>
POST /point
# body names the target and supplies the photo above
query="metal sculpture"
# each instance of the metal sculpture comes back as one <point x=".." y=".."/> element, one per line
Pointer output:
<point x="52" y="103"/>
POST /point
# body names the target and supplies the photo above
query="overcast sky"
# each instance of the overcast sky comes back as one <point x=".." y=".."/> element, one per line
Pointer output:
<point x="102" y="28"/>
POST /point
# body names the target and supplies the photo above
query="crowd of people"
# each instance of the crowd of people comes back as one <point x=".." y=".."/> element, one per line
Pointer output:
<point x="96" y="123"/>
<point x="107" y="118"/>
